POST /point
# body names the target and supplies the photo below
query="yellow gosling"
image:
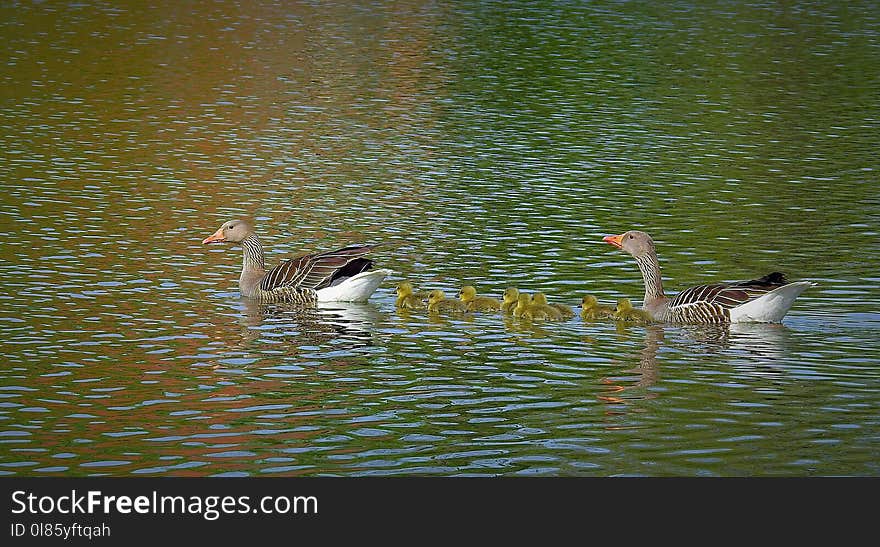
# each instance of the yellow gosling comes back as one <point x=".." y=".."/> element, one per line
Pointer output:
<point x="407" y="299"/>
<point x="592" y="309"/>
<point x="523" y="301"/>
<point x="565" y="311"/>
<point x="438" y="303"/>
<point x="526" y="309"/>
<point x="509" y="300"/>
<point x="626" y="312"/>
<point x="539" y="301"/>
<point x="468" y="295"/>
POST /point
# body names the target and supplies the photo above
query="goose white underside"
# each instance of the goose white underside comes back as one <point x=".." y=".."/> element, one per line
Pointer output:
<point x="771" y="307"/>
<point x="357" y="288"/>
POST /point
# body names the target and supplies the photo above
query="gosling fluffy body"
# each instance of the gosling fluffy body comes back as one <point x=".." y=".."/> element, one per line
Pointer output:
<point x="438" y="303"/>
<point x="473" y="302"/>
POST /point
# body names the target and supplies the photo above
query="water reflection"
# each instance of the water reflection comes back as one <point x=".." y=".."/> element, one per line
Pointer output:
<point x="643" y="371"/>
<point x="759" y="348"/>
<point x="342" y="325"/>
<point x="759" y="342"/>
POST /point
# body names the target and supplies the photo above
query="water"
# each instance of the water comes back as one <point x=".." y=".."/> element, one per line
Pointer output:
<point x="484" y="143"/>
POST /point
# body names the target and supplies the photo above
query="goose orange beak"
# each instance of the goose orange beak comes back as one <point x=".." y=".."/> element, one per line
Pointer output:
<point x="216" y="237"/>
<point x="617" y="241"/>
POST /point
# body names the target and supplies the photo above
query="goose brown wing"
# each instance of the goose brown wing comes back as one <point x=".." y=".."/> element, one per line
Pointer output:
<point x="728" y="295"/>
<point x="318" y="270"/>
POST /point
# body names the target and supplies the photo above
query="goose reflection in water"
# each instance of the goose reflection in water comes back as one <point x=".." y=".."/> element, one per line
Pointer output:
<point x="645" y="369"/>
<point x="761" y="346"/>
<point x="339" y="323"/>
<point x="758" y="349"/>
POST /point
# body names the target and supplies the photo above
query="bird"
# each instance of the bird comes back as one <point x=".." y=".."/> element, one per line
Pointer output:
<point x="468" y="295"/>
<point x="541" y="299"/>
<point x="523" y="301"/>
<point x="626" y="312"/>
<point x="763" y="300"/>
<point x="409" y="299"/>
<point x="592" y="309"/>
<point x="437" y="302"/>
<point x="509" y="300"/>
<point x="343" y="275"/>
<point x="527" y="309"/>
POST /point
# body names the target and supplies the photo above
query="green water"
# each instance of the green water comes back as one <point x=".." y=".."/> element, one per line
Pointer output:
<point x="491" y="144"/>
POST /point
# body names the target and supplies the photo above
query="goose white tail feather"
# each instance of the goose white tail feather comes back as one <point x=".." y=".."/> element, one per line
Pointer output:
<point x="357" y="288"/>
<point x="771" y="307"/>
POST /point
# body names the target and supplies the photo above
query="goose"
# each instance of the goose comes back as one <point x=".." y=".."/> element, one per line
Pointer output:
<point x="523" y="301"/>
<point x="541" y="299"/>
<point x="468" y="295"/>
<point x="437" y="302"/>
<point x="342" y="275"/>
<point x="527" y="309"/>
<point x="509" y="300"/>
<point x="763" y="300"/>
<point x="626" y="312"/>
<point x="407" y="298"/>
<point x="592" y="309"/>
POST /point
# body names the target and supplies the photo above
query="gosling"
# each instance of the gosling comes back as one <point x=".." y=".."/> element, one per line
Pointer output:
<point x="626" y="312"/>
<point x="408" y="299"/>
<point x="509" y="300"/>
<point x="540" y="299"/>
<point x="526" y="309"/>
<point x="468" y="295"/>
<point x="437" y="303"/>
<point x="592" y="309"/>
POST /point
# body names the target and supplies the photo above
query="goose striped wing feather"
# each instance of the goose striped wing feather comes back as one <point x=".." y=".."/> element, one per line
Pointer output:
<point x="318" y="270"/>
<point x="712" y="303"/>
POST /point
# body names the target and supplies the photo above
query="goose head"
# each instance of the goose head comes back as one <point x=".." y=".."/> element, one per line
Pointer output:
<point x="589" y="301"/>
<point x="511" y="294"/>
<point x="405" y="288"/>
<point x="539" y="298"/>
<point x="467" y="293"/>
<point x="436" y="296"/>
<point x="624" y="305"/>
<point x="233" y="231"/>
<point x="634" y="242"/>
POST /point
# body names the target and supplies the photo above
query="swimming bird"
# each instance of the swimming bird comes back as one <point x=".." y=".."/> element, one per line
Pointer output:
<point x="523" y="301"/>
<point x="468" y="295"/>
<point x="509" y="300"/>
<point x="527" y="309"/>
<point x="407" y="298"/>
<point x="343" y="275"/>
<point x="437" y="302"/>
<point x="763" y="300"/>
<point x="592" y="309"/>
<point x="626" y="312"/>
<point x="541" y="299"/>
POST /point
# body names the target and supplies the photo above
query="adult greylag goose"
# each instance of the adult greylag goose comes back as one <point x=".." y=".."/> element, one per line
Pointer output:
<point x="764" y="300"/>
<point x="343" y="275"/>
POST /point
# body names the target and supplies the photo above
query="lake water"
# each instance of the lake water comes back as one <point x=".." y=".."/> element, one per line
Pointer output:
<point x="485" y="143"/>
